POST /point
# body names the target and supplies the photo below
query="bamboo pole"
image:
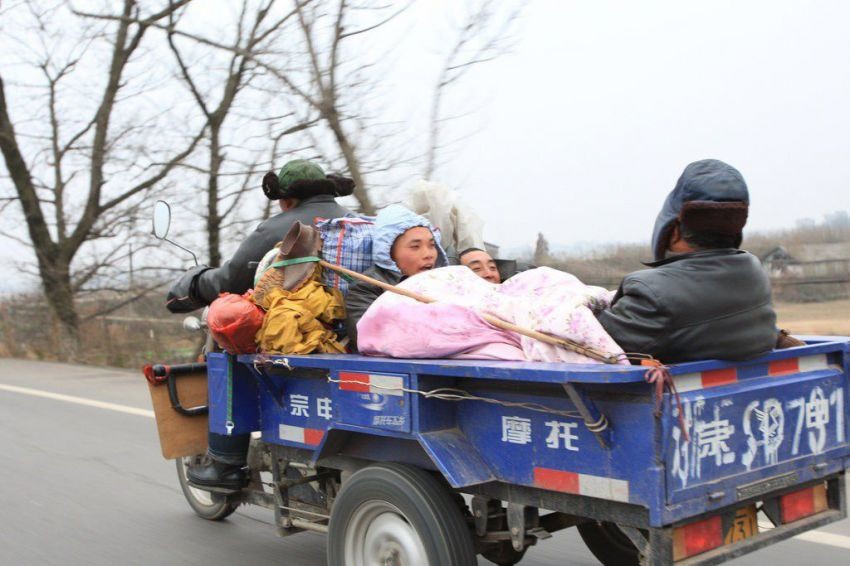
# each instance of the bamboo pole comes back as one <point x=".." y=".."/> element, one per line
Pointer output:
<point x="495" y="321"/>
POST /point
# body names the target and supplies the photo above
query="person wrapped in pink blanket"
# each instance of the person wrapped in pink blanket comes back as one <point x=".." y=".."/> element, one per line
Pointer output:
<point x="542" y="299"/>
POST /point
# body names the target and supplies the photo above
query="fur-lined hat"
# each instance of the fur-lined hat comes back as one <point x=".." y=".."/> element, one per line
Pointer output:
<point x="301" y="179"/>
<point x="726" y="218"/>
<point x="710" y="196"/>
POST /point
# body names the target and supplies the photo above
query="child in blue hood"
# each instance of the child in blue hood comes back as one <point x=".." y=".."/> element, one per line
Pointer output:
<point x="403" y="244"/>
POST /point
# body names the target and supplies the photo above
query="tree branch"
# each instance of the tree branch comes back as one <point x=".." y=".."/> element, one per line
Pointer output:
<point x="112" y="308"/>
<point x="150" y="182"/>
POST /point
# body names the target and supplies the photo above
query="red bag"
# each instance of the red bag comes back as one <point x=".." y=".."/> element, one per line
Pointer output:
<point x="233" y="321"/>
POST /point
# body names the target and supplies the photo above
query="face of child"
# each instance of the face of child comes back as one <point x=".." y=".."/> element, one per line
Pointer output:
<point x="414" y="251"/>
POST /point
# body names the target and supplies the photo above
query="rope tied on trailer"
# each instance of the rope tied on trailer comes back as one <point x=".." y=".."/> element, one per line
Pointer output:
<point x="442" y="393"/>
<point x="659" y="375"/>
<point x="454" y="394"/>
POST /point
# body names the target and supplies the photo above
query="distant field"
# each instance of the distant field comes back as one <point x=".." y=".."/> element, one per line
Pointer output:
<point x="830" y="317"/>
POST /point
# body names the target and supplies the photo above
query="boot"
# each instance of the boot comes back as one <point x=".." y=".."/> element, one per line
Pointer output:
<point x="218" y="475"/>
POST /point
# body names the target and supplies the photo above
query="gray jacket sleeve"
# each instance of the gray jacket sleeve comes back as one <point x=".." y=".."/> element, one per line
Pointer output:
<point x="360" y="297"/>
<point x="635" y="319"/>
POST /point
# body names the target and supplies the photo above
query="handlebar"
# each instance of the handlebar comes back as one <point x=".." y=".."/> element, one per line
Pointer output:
<point x="157" y="374"/>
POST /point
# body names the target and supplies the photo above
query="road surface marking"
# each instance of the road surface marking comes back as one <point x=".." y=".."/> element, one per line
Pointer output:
<point x="78" y="400"/>
<point x="830" y="539"/>
<point x="819" y="537"/>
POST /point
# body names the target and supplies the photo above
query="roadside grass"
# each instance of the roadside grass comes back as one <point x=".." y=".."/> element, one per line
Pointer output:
<point x="830" y="318"/>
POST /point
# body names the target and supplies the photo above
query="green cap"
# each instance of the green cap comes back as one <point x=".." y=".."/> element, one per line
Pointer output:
<point x="299" y="170"/>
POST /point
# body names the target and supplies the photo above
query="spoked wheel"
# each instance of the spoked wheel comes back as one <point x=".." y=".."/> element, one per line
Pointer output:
<point x="609" y="544"/>
<point x="397" y="515"/>
<point x="210" y="506"/>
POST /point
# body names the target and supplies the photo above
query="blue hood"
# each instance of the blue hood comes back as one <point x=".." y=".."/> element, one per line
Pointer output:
<point x="709" y="179"/>
<point x="391" y="223"/>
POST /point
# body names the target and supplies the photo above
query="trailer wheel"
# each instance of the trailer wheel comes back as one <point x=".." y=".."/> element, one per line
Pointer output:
<point x="609" y="544"/>
<point x="397" y="515"/>
<point x="210" y="506"/>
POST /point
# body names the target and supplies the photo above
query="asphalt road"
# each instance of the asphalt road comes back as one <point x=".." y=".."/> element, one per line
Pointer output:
<point x="85" y="484"/>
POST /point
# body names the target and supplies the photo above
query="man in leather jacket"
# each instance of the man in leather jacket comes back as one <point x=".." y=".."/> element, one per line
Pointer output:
<point x="304" y="194"/>
<point x="703" y="297"/>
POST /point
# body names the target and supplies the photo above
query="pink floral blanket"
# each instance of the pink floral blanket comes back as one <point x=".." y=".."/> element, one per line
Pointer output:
<point x="542" y="299"/>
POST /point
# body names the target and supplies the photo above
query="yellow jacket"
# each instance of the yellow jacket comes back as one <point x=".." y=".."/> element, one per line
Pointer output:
<point x="294" y="319"/>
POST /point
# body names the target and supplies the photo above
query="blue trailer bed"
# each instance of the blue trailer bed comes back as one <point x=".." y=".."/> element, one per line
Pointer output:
<point x="582" y="440"/>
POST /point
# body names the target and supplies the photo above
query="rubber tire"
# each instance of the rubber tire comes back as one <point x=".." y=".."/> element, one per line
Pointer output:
<point x="424" y="502"/>
<point x="222" y="505"/>
<point x="609" y="544"/>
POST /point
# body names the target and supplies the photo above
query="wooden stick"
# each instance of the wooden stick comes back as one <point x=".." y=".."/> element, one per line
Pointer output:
<point x="495" y="321"/>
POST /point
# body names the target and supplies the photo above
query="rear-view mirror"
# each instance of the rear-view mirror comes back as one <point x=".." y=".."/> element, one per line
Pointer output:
<point x="161" y="219"/>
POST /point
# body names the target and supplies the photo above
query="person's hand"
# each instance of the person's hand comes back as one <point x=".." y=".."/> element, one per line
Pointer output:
<point x="785" y="340"/>
<point x="182" y="296"/>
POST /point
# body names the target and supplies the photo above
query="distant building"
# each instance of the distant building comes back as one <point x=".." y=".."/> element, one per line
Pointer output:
<point x="779" y="263"/>
<point x="810" y="261"/>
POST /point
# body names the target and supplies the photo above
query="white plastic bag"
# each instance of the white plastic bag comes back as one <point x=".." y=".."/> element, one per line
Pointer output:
<point x="460" y="227"/>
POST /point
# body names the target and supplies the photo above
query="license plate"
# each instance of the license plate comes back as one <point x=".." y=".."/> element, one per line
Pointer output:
<point x="740" y="525"/>
<point x="714" y="532"/>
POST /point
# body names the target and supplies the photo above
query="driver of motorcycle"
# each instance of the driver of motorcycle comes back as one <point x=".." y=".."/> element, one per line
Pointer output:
<point x="304" y="193"/>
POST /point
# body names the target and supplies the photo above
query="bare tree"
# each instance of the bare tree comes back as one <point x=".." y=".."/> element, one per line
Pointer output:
<point x="483" y="35"/>
<point x="316" y="76"/>
<point x="252" y="32"/>
<point x="541" y="250"/>
<point x="324" y="89"/>
<point x="106" y="158"/>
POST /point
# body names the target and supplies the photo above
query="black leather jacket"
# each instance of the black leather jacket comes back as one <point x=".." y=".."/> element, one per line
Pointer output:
<point x="200" y="287"/>
<point x="361" y="296"/>
<point x="713" y="304"/>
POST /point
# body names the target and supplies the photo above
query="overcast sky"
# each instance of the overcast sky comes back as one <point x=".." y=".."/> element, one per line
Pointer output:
<point x="592" y="119"/>
<point x="584" y="128"/>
